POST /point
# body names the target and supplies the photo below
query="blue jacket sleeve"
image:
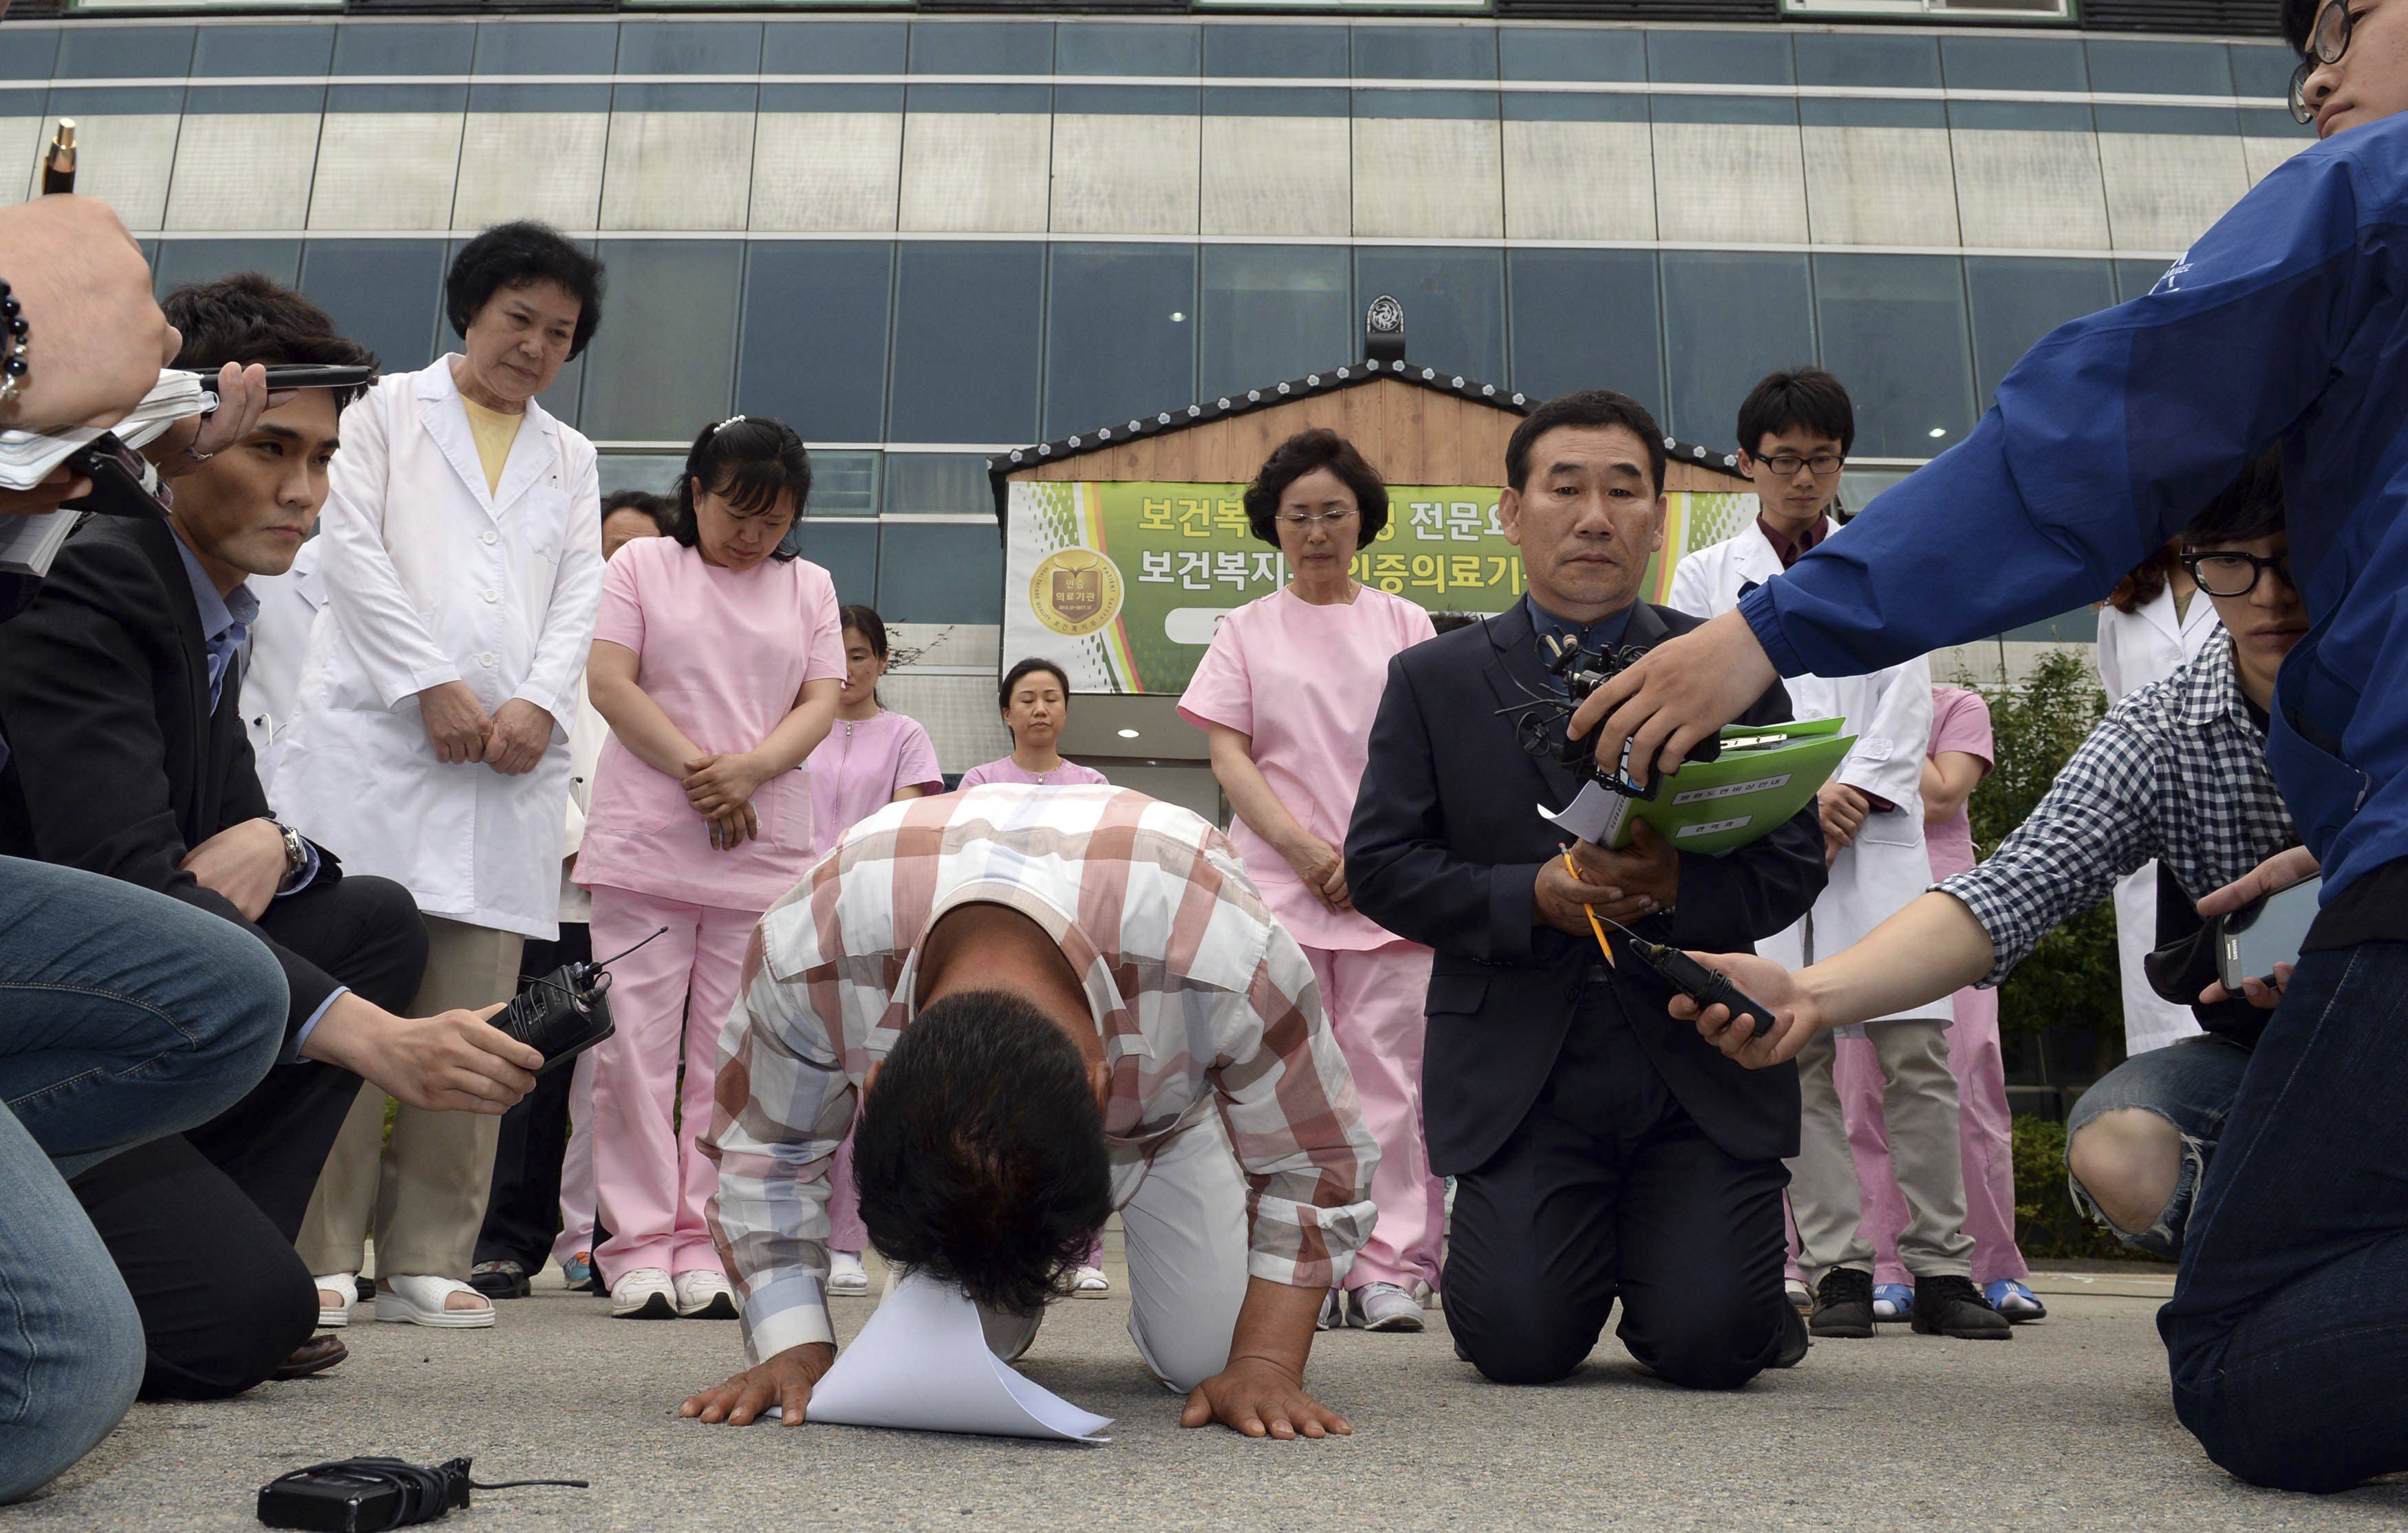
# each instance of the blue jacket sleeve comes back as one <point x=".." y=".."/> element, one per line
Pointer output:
<point x="2116" y="429"/>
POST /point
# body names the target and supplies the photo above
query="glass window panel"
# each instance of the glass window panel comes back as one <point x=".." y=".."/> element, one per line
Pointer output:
<point x="385" y="293"/>
<point x="1121" y="48"/>
<point x="182" y="261"/>
<point x="1424" y="53"/>
<point x="123" y="52"/>
<point x="1273" y="312"/>
<point x="848" y="550"/>
<point x="1730" y="318"/>
<point x="1564" y="53"/>
<point x="547" y="47"/>
<point x="32" y="53"/>
<point x="1893" y="328"/>
<point x="981" y="48"/>
<point x="663" y="364"/>
<point x="654" y="473"/>
<point x="1119" y="334"/>
<point x="1586" y="319"/>
<point x="416" y="48"/>
<point x="937" y="572"/>
<point x="844" y="483"/>
<point x="2169" y="68"/>
<point x="967" y="339"/>
<point x="1264" y="52"/>
<point x="834" y="47"/>
<point x="1865" y="58"/>
<point x="1860" y="487"/>
<point x="813" y="341"/>
<point x="2134" y="278"/>
<point x="1719" y="58"/>
<point x="568" y="392"/>
<point x="689" y="47"/>
<point x="1455" y="305"/>
<point x="264" y="49"/>
<point x="2262" y="70"/>
<point x="2014" y="63"/>
<point x="2016" y="301"/>
<point x="938" y="481"/>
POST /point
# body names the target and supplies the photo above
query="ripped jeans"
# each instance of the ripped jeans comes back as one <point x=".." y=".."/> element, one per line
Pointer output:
<point x="2191" y="1085"/>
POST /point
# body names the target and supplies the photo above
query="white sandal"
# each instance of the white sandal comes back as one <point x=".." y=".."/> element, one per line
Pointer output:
<point x="345" y="1283"/>
<point x="421" y="1301"/>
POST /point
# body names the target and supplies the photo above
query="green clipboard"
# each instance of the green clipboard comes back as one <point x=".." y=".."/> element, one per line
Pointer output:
<point x="1765" y="774"/>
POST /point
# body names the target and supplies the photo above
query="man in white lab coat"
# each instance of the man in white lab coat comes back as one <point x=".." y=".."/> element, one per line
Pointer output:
<point x="462" y="570"/>
<point x="1795" y="430"/>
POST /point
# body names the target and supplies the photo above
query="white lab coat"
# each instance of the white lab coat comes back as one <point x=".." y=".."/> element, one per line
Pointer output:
<point x="280" y="644"/>
<point x="1890" y="714"/>
<point x="585" y="739"/>
<point x="2136" y="648"/>
<point x="428" y="578"/>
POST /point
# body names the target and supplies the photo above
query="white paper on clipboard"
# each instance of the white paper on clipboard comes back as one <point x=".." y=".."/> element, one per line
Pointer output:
<point x="922" y="1365"/>
<point x="1596" y="816"/>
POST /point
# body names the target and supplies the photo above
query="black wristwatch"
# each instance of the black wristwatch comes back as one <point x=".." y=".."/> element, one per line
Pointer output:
<point x="296" y="853"/>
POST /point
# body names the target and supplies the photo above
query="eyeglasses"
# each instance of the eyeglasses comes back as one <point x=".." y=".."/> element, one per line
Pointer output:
<point x="2236" y="574"/>
<point x="1787" y="463"/>
<point x="2326" y="45"/>
<point x="1308" y="519"/>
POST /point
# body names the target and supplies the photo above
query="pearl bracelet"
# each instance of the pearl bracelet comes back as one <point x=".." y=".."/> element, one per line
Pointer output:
<point x="12" y="357"/>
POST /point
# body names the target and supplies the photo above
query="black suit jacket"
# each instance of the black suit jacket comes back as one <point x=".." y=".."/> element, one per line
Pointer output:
<point x="1445" y="846"/>
<point x="117" y="763"/>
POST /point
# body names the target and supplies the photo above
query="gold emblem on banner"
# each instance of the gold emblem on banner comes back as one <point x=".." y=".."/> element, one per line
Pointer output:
<point x="1075" y="591"/>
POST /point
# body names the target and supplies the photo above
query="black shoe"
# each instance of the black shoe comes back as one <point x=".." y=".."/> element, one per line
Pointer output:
<point x="315" y="1355"/>
<point x="1844" y="1304"/>
<point x="500" y="1280"/>
<point x="1794" y="1341"/>
<point x="1954" y="1307"/>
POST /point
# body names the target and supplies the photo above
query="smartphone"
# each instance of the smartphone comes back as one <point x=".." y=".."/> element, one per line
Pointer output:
<point x="123" y="484"/>
<point x="310" y="376"/>
<point x="2269" y="932"/>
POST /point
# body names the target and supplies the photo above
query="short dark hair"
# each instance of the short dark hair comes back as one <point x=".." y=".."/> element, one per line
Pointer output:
<point x="863" y="618"/>
<point x="1447" y="623"/>
<point x="749" y="461"/>
<point x="1585" y="408"/>
<point x="250" y="318"/>
<point x="516" y="256"/>
<point x="2299" y="20"/>
<point x="1012" y="679"/>
<point x="2249" y="506"/>
<point x="1799" y="397"/>
<point x="1300" y="456"/>
<point x="980" y="1158"/>
<point x="642" y="502"/>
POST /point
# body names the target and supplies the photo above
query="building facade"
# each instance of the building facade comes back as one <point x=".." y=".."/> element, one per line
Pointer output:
<point x="924" y="238"/>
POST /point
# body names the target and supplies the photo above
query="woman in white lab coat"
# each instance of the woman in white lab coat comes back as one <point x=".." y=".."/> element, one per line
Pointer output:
<point x="461" y="571"/>
<point x="2153" y="622"/>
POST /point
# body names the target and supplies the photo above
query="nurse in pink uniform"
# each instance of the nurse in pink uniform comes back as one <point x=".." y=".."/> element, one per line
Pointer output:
<point x="1035" y="699"/>
<point x="717" y="660"/>
<point x="1285" y="694"/>
<point x="871" y="758"/>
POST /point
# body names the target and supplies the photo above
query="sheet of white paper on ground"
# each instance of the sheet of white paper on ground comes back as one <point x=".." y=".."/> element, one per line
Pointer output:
<point x="922" y="1363"/>
<point x="1595" y="816"/>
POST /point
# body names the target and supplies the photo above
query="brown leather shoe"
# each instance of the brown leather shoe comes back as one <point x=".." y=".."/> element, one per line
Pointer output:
<point x="315" y="1355"/>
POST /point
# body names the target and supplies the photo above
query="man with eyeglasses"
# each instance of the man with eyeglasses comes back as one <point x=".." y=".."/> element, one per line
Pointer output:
<point x="2289" y="1327"/>
<point x="1795" y="429"/>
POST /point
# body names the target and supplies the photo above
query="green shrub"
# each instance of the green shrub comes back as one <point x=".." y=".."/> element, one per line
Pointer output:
<point x="2071" y="979"/>
<point x="2048" y="1227"/>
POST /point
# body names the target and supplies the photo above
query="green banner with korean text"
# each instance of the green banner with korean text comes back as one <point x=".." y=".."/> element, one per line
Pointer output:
<point x="1121" y="583"/>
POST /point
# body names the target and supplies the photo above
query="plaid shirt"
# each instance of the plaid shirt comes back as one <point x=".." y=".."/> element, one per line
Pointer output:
<point x="2176" y="771"/>
<point x="1202" y="999"/>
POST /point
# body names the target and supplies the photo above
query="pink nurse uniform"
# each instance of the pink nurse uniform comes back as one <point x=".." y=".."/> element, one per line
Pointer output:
<point x="725" y="653"/>
<point x="1303" y="681"/>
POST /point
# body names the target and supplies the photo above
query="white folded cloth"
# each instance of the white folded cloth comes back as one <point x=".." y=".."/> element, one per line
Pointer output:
<point x="28" y="457"/>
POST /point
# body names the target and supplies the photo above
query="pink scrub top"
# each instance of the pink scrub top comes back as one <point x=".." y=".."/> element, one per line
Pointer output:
<point x="1070" y="774"/>
<point x="1960" y="720"/>
<point x="724" y="652"/>
<point x="1304" y="682"/>
<point x="860" y="767"/>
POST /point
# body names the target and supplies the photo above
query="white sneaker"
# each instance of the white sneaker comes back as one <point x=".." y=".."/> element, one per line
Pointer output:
<point x="1801" y="1298"/>
<point x="1090" y="1282"/>
<point x="336" y="1316"/>
<point x="645" y="1293"/>
<point x="705" y="1294"/>
<point x="1383" y="1307"/>
<point x="846" y="1278"/>
<point x="1333" y="1311"/>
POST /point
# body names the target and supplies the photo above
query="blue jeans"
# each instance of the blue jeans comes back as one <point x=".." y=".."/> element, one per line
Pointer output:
<point x="2191" y="1085"/>
<point x="124" y="1016"/>
<point x="2287" y="1333"/>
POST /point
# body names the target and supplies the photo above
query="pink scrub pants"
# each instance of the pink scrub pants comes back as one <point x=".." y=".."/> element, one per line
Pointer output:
<point x="1985" y="1130"/>
<point x="1375" y="1000"/>
<point x="670" y="1001"/>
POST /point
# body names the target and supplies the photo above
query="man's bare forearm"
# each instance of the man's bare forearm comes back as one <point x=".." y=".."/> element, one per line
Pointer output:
<point x="1930" y="949"/>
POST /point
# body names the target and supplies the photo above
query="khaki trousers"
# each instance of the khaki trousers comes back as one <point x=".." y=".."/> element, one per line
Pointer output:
<point x="425" y="1187"/>
<point x="1919" y="1103"/>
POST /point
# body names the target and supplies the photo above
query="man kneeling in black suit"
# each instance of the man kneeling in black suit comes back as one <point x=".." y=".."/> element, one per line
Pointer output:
<point x="120" y="699"/>
<point x="1602" y="1151"/>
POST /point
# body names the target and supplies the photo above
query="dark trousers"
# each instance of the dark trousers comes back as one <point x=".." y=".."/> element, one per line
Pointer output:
<point x="201" y="1224"/>
<point x="1609" y="1191"/>
<point x="522" y="1208"/>
<point x="2287" y="1333"/>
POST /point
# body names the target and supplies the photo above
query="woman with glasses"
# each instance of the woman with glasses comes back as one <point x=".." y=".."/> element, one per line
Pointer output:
<point x="2153" y="623"/>
<point x="1286" y="696"/>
